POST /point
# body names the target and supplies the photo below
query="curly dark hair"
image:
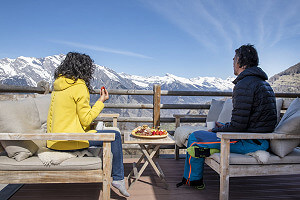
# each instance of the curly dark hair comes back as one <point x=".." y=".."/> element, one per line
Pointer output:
<point x="247" y="56"/>
<point x="75" y="66"/>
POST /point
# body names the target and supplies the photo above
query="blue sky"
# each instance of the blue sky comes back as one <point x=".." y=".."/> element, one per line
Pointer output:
<point x="187" y="38"/>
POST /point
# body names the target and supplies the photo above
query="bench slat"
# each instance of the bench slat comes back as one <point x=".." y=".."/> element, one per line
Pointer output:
<point x="238" y="135"/>
<point x="23" y="177"/>
<point x="58" y="136"/>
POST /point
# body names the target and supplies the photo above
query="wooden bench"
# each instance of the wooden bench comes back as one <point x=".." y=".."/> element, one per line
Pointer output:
<point x="226" y="170"/>
<point x="103" y="174"/>
<point x="32" y="170"/>
<point x="227" y="164"/>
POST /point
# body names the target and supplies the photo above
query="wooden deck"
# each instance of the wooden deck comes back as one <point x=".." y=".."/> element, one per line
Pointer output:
<point x="149" y="187"/>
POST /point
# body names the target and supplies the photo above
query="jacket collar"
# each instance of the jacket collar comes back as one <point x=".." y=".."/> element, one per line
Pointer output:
<point x="252" y="71"/>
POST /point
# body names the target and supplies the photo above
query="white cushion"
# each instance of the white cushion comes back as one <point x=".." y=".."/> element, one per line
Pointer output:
<point x="225" y="115"/>
<point x="42" y="103"/>
<point x="19" y="116"/>
<point x="289" y="124"/>
<point x="19" y="150"/>
<point x="182" y="133"/>
<point x="34" y="163"/>
<point x="239" y="159"/>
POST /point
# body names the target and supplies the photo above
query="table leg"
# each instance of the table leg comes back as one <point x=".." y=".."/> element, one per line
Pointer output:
<point x="145" y="154"/>
<point x="138" y="163"/>
<point x="156" y="166"/>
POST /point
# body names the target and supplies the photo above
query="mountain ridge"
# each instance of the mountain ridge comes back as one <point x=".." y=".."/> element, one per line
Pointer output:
<point x="287" y="80"/>
<point x="30" y="70"/>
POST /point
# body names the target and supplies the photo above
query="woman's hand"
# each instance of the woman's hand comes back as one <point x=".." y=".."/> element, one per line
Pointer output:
<point x="103" y="95"/>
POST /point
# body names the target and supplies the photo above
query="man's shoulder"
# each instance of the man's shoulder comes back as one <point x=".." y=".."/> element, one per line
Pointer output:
<point x="249" y="81"/>
<point x="253" y="80"/>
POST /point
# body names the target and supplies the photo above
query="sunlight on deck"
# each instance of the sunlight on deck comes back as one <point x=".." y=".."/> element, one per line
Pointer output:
<point x="149" y="187"/>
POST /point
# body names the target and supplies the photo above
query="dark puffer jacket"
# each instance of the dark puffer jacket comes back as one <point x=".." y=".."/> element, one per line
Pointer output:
<point x="254" y="104"/>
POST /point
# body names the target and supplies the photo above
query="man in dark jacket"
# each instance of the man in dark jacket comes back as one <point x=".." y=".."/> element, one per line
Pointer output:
<point x="254" y="110"/>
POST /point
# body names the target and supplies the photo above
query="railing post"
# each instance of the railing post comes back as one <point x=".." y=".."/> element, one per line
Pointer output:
<point x="45" y="85"/>
<point x="156" y="105"/>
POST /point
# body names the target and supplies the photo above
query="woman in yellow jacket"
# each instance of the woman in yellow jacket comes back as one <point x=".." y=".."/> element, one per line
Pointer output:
<point x="70" y="111"/>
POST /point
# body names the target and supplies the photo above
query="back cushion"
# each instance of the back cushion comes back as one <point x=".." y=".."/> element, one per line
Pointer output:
<point x="226" y="112"/>
<point x="215" y="110"/>
<point x="289" y="124"/>
<point x="278" y="108"/>
<point x="19" y="150"/>
<point x="42" y="103"/>
<point x="225" y="115"/>
<point x="19" y="116"/>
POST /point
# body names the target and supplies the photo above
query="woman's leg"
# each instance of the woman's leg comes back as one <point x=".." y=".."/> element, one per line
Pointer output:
<point x="117" y="161"/>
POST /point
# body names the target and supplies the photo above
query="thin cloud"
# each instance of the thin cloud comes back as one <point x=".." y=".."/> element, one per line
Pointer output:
<point x="230" y="23"/>
<point x="103" y="49"/>
<point x="200" y="20"/>
<point x="284" y="29"/>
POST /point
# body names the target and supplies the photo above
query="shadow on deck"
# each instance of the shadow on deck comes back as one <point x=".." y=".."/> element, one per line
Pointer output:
<point x="149" y="187"/>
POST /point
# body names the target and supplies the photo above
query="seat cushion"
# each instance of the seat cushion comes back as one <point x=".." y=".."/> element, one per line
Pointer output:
<point x="34" y="163"/>
<point x="240" y="159"/>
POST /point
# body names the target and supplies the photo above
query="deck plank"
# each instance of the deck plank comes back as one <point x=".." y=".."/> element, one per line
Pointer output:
<point x="149" y="187"/>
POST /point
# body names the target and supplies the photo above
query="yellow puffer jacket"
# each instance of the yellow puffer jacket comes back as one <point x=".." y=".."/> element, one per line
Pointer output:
<point x="70" y="112"/>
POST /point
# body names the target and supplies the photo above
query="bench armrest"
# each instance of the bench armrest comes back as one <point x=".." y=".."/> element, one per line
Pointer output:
<point x="114" y="116"/>
<point x="239" y="135"/>
<point x="187" y="115"/>
<point x="58" y="136"/>
<point x="178" y="118"/>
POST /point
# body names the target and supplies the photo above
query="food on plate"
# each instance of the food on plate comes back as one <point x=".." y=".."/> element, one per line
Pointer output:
<point x="145" y="130"/>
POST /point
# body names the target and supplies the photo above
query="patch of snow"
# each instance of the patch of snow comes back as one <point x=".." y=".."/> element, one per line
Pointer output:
<point x="9" y="70"/>
<point x="26" y="59"/>
<point x="141" y="84"/>
<point x="108" y="73"/>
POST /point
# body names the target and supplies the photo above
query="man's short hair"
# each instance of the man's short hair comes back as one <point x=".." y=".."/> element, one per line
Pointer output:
<point x="247" y="56"/>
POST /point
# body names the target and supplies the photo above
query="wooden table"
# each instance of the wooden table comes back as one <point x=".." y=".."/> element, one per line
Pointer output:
<point x="146" y="145"/>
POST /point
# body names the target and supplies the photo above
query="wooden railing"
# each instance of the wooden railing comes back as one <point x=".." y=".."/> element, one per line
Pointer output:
<point x="156" y="93"/>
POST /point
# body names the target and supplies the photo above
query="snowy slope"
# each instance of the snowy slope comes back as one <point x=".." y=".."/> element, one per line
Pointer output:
<point x="198" y="83"/>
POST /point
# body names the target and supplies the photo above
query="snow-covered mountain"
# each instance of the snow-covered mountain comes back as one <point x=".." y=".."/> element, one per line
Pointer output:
<point x="170" y="81"/>
<point x="29" y="71"/>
